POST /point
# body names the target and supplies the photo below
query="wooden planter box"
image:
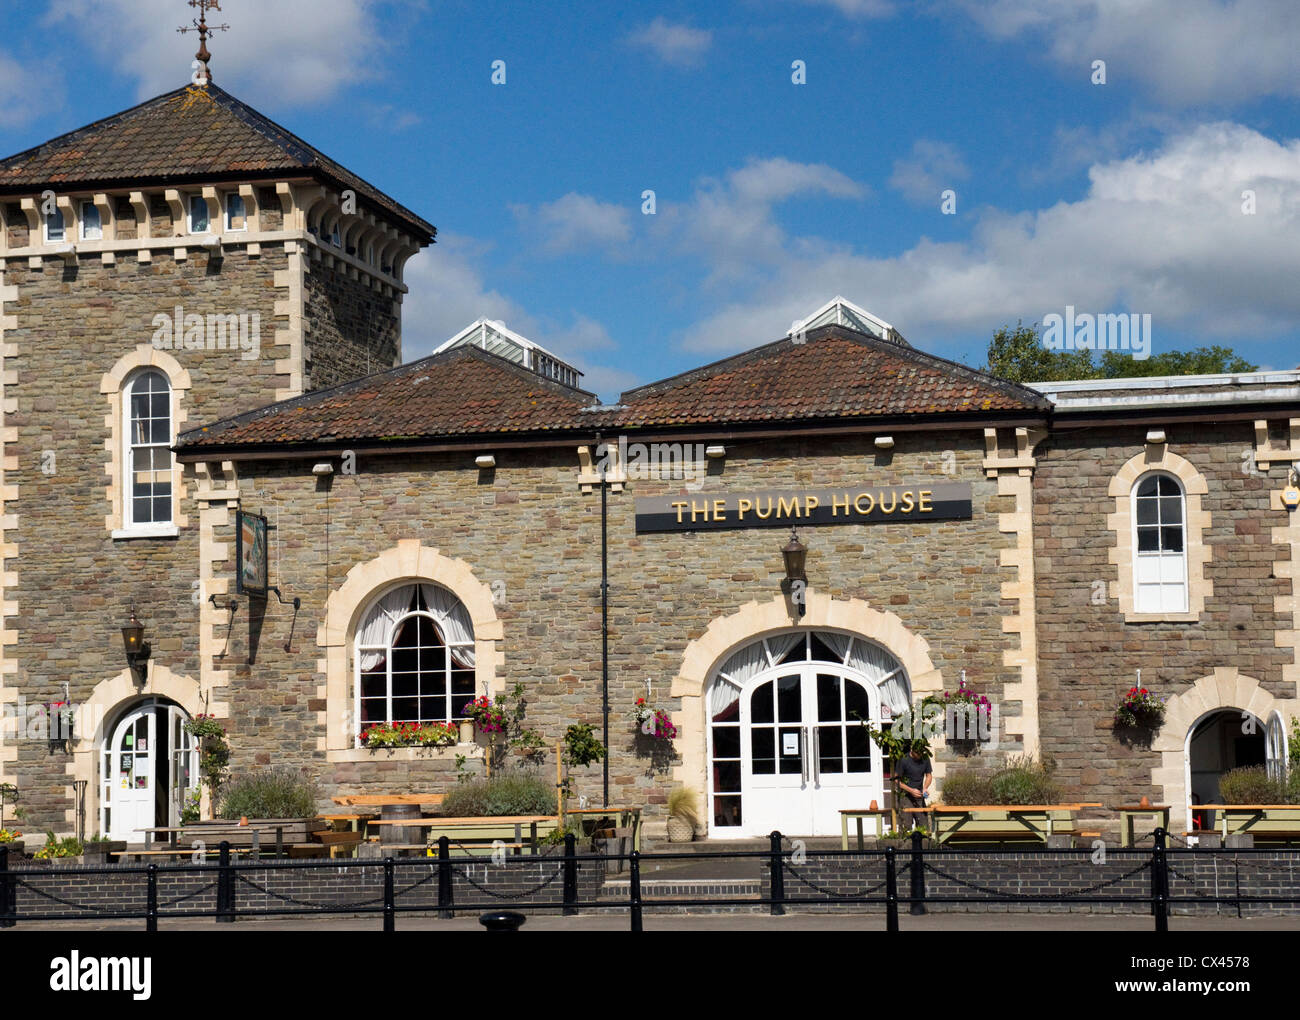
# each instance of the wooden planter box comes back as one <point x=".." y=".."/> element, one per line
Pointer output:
<point x="292" y="830"/>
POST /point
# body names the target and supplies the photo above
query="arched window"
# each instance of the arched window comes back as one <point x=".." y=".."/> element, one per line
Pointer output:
<point x="147" y="455"/>
<point x="1160" y="565"/>
<point x="414" y="658"/>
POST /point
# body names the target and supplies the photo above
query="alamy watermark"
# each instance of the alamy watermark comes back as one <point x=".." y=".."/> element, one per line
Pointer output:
<point x="1106" y="331"/>
<point x="665" y="461"/>
<point x="190" y="331"/>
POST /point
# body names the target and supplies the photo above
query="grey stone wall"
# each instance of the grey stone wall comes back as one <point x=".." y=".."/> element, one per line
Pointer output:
<point x="1088" y="654"/>
<point x="352" y="330"/>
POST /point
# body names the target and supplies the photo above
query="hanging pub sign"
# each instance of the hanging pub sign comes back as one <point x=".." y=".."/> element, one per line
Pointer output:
<point x="785" y="508"/>
<point x="250" y="573"/>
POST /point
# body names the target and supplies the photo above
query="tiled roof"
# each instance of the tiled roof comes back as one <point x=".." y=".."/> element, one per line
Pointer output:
<point x="466" y="391"/>
<point x="836" y="373"/>
<point x="191" y="134"/>
<point x="461" y="392"/>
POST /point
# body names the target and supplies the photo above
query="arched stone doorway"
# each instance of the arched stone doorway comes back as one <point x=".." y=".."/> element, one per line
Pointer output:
<point x="1221" y="741"/>
<point x="705" y="656"/>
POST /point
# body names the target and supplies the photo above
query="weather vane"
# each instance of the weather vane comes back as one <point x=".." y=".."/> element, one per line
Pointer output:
<point x="202" y="74"/>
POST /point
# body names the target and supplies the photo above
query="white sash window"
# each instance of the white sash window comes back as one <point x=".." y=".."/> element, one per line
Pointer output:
<point x="1160" y="541"/>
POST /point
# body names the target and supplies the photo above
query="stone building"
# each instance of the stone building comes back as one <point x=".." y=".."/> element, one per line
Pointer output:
<point x="475" y="521"/>
<point x="179" y="262"/>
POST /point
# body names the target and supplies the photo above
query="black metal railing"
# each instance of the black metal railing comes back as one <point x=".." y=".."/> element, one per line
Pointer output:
<point x="559" y="872"/>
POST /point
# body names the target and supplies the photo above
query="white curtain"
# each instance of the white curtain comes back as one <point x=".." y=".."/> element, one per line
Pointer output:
<point x="837" y="643"/>
<point x="378" y="625"/>
<point x="885" y="671"/>
<point x="723" y="695"/>
<point x="453" y="619"/>
<point x="782" y="643"/>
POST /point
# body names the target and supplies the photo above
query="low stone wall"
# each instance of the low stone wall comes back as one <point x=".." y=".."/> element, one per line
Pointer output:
<point x="531" y="884"/>
<point x="1071" y="880"/>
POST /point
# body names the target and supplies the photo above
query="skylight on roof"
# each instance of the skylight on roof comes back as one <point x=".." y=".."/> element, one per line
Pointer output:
<point x="840" y="311"/>
<point x="496" y="338"/>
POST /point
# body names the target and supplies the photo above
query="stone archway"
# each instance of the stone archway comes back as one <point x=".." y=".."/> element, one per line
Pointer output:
<point x="755" y="619"/>
<point x="408" y="561"/>
<point x="100" y="709"/>
<point x="1225" y="688"/>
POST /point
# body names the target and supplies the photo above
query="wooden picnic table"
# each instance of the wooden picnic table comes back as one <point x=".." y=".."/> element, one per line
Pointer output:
<point x="1130" y="813"/>
<point x="622" y="817"/>
<point x="1264" y="821"/>
<point x="858" y="814"/>
<point x="381" y="800"/>
<point x="473" y="828"/>
<point x="1032" y="821"/>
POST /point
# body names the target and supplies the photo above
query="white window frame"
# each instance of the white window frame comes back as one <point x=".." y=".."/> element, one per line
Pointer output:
<point x="1162" y="561"/>
<point x="167" y="527"/>
<point x="235" y="196"/>
<point x="89" y="209"/>
<point x="387" y="646"/>
<point x="207" y="215"/>
<point x="63" y="226"/>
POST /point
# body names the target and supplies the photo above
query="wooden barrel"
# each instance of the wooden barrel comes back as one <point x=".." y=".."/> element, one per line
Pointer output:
<point x="400" y="833"/>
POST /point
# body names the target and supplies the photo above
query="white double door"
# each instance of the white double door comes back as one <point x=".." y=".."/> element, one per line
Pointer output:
<point x="805" y="751"/>
<point x="150" y="764"/>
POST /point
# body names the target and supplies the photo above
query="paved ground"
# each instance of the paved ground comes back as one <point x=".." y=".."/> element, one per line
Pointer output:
<point x="610" y="921"/>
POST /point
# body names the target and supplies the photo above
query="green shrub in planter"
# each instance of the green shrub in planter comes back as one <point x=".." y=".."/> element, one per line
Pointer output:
<point x="1025" y="781"/>
<point x="275" y="792"/>
<point x="510" y="793"/>
<point x="1253" y="785"/>
<point x="966" y="787"/>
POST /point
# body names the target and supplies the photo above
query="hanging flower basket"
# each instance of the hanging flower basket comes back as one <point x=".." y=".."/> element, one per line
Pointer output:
<point x="653" y="722"/>
<point x="1140" y="710"/>
<point x="488" y="718"/>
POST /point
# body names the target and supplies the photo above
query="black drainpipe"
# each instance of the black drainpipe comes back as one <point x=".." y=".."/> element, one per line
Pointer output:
<point x="604" y="619"/>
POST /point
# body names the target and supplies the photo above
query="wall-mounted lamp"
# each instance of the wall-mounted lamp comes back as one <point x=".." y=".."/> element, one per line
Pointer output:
<point x="795" y="554"/>
<point x="1157" y="436"/>
<point x="714" y="452"/>
<point x="322" y="470"/>
<point x="137" y="649"/>
<point x="884" y="442"/>
<point x="485" y="461"/>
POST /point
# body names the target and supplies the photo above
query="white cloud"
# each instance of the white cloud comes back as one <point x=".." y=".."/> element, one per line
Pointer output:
<point x="1162" y="233"/>
<point x="730" y="222"/>
<point x="575" y="222"/>
<point x="1186" y="51"/>
<point x="932" y="167"/>
<point x="858" y="8"/>
<point x="673" y="44"/>
<point x="290" y="51"/>
<point x="27" y="91"/>
<point x="447" y="292"/>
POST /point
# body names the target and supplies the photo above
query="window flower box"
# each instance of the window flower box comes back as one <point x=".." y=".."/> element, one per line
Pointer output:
<point x="410" y="734"/>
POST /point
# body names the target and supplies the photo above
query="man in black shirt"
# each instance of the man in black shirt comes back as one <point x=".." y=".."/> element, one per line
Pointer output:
<point x="914" y="776"/>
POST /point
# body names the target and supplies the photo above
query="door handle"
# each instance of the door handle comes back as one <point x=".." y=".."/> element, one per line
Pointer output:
<point x="803" y="753"/>
<point x="816" y="756"/>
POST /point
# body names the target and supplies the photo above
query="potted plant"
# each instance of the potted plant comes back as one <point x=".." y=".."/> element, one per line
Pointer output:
<point x="214" y="751"/>
<point x="683" y="814"/>
<point x="69" y="849"/>
<point x="10" y="838"/>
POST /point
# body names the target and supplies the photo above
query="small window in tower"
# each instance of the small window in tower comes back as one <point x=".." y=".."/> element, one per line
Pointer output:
<point x="54" y="225"/>
<point x="91" y="228"/>
<point x="235" y="219"/>
<point x="198" y="214"/>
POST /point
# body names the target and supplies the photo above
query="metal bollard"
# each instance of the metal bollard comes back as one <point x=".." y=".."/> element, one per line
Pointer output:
<point x="918" y="875"/>
<point x="634" y="886"/>
<point x="8" y="890"/>
<point x="891" y="890"/>
<point x="225" y="886"/>
<point x="151" y="899"/>
<point x="778" y="875"/>
<point x="445" y="894"/>
<point x="501" y="920"/>
<point x="390" y="907"/>
<point x="570" y="877"/>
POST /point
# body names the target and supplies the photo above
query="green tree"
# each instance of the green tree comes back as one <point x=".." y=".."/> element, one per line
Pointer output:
<point x="1018" y="355"/>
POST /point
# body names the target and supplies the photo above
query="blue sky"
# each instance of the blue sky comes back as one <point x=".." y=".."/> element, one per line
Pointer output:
<point x="771" y="197"/>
